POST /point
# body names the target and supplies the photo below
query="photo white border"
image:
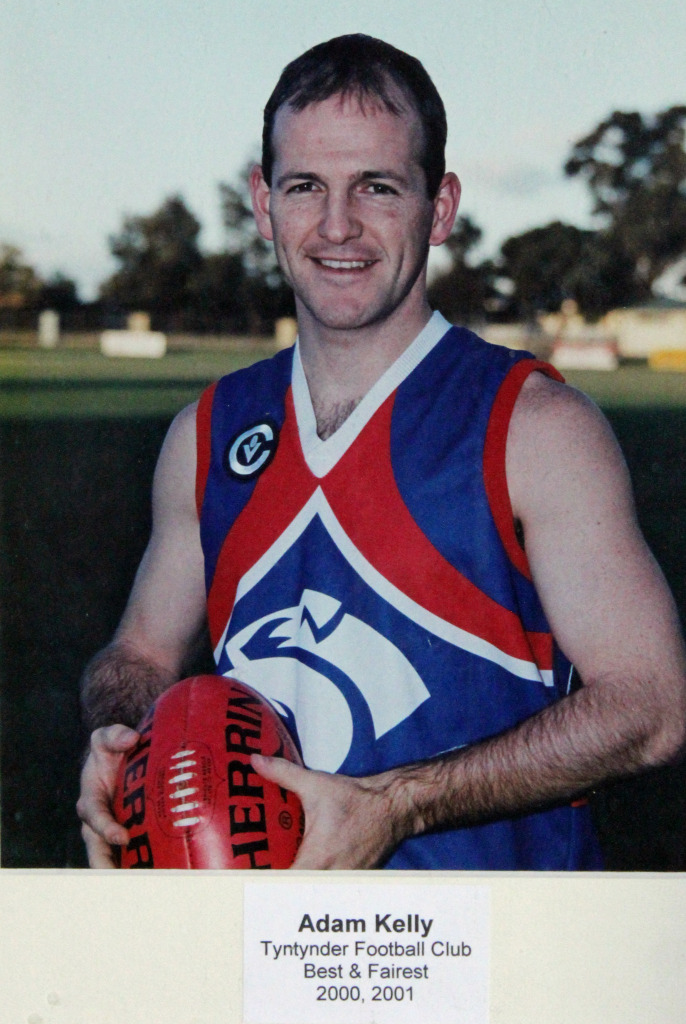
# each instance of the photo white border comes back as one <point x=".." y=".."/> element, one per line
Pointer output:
<point x="89" y="947"/>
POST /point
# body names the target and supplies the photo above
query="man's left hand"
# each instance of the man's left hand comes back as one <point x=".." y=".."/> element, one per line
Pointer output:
<point x="349" y="823"/>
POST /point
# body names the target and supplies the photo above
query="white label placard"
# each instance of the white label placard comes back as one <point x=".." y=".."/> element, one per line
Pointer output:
<point x="322" y="953"/>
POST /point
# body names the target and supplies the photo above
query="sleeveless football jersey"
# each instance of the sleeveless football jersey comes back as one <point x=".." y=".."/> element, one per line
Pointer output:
<point x="372" y="586"/>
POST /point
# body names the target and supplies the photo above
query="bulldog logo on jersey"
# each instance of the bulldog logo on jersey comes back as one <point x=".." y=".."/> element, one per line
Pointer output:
<point x="251" y="451"/>
<point x="319" y="656"/>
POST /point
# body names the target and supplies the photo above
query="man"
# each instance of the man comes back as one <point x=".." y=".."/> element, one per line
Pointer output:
<point x="387" y="528"/>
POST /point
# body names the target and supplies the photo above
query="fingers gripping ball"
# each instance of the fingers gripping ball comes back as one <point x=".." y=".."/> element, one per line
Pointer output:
<point x="187" y="792"/>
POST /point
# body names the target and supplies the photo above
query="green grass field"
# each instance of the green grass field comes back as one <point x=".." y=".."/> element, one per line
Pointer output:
<point x="72" y="383"/>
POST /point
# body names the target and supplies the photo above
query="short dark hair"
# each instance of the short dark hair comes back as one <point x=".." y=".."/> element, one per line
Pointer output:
<point x="363" y="67"/>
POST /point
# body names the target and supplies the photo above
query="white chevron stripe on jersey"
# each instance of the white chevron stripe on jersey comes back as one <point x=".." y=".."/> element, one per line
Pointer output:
<point x="319" y="506"/>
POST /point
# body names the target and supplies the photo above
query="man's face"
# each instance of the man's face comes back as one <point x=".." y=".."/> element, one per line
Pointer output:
<point x="348" y="212"/>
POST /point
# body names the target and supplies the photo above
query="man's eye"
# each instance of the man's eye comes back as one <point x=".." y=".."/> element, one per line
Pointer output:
<point x="301" y="187"/>
<point x="378" y="188"/>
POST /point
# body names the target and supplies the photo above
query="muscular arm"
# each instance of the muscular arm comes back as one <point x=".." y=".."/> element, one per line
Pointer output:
<point x="165" y="612"/>
<point x="611" y="613"/>
<point x="605" y="597"/>
<point x="162" y="622"/>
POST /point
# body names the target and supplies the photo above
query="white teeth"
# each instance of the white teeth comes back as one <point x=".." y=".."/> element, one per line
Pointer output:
<point x="345" y="264"/>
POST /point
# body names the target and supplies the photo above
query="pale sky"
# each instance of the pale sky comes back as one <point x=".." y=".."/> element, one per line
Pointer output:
<point x="109" y="106"/>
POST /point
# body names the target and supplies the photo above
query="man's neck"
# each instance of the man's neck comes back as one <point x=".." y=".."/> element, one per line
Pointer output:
<point x="341" y="367"/>
<point x="330" y="417"/>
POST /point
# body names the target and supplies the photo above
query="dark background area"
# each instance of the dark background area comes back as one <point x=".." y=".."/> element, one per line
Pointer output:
<point x="74" y="520"/>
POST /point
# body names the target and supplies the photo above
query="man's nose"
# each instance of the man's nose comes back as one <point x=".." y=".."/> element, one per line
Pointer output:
<point x="339" y="221"/>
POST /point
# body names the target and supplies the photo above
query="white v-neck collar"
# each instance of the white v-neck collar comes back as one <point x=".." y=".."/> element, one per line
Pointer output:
<point x="322" y="455"/>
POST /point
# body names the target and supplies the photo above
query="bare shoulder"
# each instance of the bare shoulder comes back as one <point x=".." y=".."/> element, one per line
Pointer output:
<point x="175" y="472"/>
<point x="181" y="436"/>
<point x="560" y="411"/>
<point x="558" y="441"/>
<point x="166" y="609"/>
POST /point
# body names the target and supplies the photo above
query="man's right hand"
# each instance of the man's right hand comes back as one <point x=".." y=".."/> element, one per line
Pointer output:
<point x="100" y="831"/>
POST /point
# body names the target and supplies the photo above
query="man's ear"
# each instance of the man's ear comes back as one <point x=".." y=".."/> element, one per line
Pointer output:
<point x="445" y="208"/>
<point x="261" y="194"/>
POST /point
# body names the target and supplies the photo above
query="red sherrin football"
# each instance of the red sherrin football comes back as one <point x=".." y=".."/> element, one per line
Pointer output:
<point x="187" y="792"/>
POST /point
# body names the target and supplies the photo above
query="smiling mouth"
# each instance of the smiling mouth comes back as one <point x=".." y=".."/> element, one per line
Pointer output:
<point x="344" y="264"/>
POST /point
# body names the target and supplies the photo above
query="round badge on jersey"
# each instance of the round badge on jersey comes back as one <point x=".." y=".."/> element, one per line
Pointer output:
<point x="251" y="451"/>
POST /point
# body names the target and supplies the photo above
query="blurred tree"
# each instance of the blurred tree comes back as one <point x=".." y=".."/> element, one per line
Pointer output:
<point x="19" y="283"/>
<point x="635" y="168"/>
<point x="162" y="270"/>
<point x="59" y="293"/>
<point x="217" y="295"/>
<point x="462" y="292"/>
<point x="242" y="235"/>
<point x="549" y="264"/>
<point x="158" y="256"/>
<point x="604" y="277"/>
<point x="21" y="287"/>
<point x="266" y="293"/>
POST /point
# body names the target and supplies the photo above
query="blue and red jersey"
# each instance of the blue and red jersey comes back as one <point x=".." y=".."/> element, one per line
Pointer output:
<point x="372" y="585"/>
